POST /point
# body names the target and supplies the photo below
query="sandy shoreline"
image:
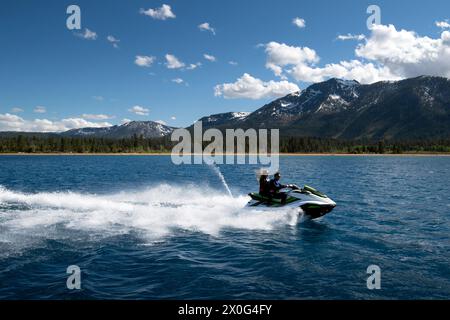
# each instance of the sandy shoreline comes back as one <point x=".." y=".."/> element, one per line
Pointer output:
<point x="281" y="154"/>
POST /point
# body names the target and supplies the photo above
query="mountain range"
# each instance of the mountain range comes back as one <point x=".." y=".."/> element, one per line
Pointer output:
<point x="146" y="129"/>
<point x="416" y="108"/>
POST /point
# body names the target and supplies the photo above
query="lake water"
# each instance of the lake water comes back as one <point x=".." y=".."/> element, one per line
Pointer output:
<point x="140" y="227"/>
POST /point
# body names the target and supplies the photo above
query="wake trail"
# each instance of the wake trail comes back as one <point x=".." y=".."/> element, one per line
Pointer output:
<point x="152" y="213"/>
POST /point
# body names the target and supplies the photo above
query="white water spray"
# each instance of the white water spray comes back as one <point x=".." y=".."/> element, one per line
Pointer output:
<point x="152" y="214"/>
<point x="222" y="178"/>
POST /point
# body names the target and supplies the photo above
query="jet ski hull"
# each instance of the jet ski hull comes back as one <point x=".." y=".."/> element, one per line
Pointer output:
<point x="311" y="202"/>
<point x="316" y="211"/>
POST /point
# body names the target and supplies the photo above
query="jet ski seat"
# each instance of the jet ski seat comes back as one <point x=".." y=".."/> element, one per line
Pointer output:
<point x="269" y="200"/>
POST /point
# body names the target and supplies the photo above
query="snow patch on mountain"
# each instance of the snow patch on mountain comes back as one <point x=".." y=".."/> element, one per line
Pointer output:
<point x="240" y="115"/>
<point x="334" y="103"/>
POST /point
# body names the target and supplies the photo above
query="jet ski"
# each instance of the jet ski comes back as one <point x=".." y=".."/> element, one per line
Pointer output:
<point x="312" y="202"/>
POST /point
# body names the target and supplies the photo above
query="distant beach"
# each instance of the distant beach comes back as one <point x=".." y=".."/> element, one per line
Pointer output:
<point x="415" y="154"/>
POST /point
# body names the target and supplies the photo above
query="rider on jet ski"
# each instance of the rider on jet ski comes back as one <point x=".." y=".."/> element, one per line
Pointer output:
<point x="312" y="203"/>
<point x="275" y="186"/>
<point x="264" y="184"/>
<point x="271" y="188"/>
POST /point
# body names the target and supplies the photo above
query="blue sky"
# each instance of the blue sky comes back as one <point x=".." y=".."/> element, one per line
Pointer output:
<point x="73" y="79"/>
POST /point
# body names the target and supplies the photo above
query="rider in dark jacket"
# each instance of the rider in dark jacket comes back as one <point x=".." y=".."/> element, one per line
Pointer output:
<point x="275" y="186"/>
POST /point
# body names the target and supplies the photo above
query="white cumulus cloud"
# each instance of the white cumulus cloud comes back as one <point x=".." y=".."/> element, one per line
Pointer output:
<point x="9" y="122"/>
<point x="162" y="13"/>
<point x="299" y="22"/>
<point x="178" y="80"/>
<point x="248" y="87"/>
<point x="349" y="36"/>
<point x="280" y="55"/>
<point x="209" y="57"/>
<point x="207" y="27"/>
<point x="144" y="61"/>
<point x="140" y="111"/>
<point x="405" y="53"/>
<point x="87" y="34"/>
<point x="173" y="62"/>
<point x="193" y="66"/>
<point x="113" y="41"/>
<point x="385" y="54"/>
<point x="352" y="70"/>
<point x="443" y="24"/>
<point x="301" y="64"/>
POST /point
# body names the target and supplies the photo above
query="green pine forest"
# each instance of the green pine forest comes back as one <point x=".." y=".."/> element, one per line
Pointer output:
<point x="85" y="145"/>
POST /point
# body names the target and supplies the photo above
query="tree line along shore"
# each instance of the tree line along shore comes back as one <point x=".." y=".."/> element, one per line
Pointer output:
<point x="288" y="145"/>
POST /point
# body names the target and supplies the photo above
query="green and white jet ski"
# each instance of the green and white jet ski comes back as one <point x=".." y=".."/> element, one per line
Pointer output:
<point x="312" y="202"/>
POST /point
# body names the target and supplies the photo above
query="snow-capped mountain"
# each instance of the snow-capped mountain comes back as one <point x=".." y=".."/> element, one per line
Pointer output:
<point x="220" y="119"/>
<point x="327" y="97"/>
<point x="414" y="108"/>
<point x="146" y="129"/>
<point x="417" y="108"/>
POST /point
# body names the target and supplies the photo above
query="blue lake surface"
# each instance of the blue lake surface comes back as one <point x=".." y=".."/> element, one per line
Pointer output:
<point x="140" y="227"/>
